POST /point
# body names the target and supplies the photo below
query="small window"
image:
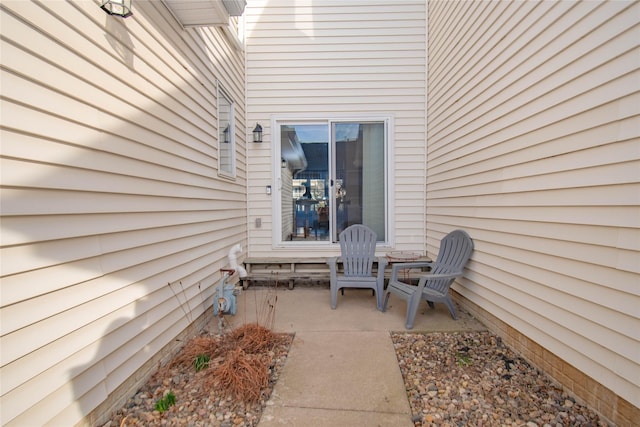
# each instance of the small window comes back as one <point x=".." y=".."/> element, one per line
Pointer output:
<point x="226" y="135"/>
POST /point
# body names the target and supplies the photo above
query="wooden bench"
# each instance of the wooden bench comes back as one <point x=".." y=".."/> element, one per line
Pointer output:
<point x="288" y="270"/>
<point x="284" y="270"/>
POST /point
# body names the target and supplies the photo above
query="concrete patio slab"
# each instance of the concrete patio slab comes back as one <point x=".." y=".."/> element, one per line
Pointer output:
<point x="341" y="369"/>
<point x="308" y="309"/>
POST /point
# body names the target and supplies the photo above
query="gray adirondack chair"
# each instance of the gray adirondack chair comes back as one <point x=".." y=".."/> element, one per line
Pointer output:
<point x="358" y="247"/>
<point x="455" y="251"/>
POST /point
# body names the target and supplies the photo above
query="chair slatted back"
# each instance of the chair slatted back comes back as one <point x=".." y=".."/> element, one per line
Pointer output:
<point x="358" y="247"/>
<point x="455" y="250"/>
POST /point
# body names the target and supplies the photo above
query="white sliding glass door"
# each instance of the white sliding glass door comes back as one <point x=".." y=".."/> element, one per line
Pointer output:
<point x="332" y="175"/>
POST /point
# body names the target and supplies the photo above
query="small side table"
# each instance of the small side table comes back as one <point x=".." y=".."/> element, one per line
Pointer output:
<point x="401" y="257"/>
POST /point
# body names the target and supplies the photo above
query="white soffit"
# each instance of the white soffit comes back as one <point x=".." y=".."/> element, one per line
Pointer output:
<point x="205" y="12"/>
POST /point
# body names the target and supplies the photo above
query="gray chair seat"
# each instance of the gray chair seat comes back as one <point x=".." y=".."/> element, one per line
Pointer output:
<point x="455" y="251"/>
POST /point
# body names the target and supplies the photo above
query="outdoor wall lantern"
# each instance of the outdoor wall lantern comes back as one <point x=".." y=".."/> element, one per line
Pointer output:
<point x="257" y="133"/>
<point x="225" y="135"/>
<point x="120" y="8"/>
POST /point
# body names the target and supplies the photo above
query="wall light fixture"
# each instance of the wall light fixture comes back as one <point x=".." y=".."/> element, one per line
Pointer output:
<point x="120" y="8"/>
<point x="257" y="133"/>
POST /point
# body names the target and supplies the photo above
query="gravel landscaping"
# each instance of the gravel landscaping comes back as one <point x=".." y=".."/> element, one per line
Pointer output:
<point x="472" y="379"/>
<point x="451" y="378"/>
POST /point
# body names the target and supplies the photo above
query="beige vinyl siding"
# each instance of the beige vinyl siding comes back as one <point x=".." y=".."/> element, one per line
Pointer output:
<point x="110" y="191"/>
<point x="339" y="59"/>
<point x="534" y="149"/>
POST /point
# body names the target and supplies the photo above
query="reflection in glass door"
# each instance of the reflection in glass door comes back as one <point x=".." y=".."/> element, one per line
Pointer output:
<point x="305" y="201"/>
<point x="359" y="190"/>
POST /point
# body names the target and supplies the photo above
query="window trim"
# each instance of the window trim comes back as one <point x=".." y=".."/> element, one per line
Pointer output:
<point x="222" y="93"/>
<point x="277" y="121"/>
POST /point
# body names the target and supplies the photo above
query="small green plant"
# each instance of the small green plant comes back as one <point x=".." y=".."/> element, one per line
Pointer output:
<point x="201" y="362"/>
<point x="463" y="359"/>
<point x="167" y="401"/>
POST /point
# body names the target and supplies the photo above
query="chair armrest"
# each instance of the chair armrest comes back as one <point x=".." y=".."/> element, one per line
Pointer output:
<point x="382" y="265"/>
<point x="333" y="264"/>
<point x="396" y="267"/>
<point x="425" y="277"/>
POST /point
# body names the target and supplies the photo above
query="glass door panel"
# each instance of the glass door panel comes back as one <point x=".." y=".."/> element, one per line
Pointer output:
<point x="305" y="201"/>
<point x="359" y="178"/>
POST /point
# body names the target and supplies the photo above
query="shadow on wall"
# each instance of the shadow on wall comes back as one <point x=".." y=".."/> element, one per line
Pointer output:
<point x="116" y="370"/>
<point x="110" y="192"/>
